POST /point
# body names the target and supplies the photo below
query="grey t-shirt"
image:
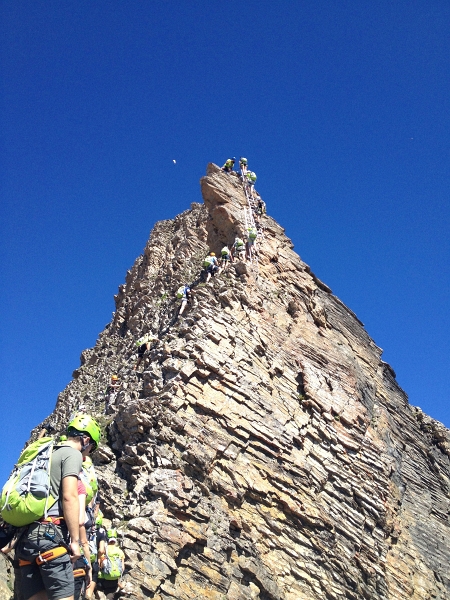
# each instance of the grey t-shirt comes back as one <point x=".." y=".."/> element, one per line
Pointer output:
<point x="66" y="461"/>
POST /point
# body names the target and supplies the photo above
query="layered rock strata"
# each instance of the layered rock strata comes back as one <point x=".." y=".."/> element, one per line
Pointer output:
<point x="263" y="449"/>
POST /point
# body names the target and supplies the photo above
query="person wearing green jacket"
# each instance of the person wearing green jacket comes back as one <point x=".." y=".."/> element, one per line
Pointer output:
<point x="228" y="166"/>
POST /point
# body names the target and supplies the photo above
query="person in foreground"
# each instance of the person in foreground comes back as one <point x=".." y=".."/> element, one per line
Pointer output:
<point x="49" y="546"/>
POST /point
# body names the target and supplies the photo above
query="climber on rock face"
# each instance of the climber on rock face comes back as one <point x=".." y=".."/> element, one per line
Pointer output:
<point x="211" y="265"/>
<point x="243" y="166"/>
<point x="251" y="180"/>
<point x="252" y="234"/>
<point x="225" y="257"/>
<point x="237" y="249"/>
<point x="185" y="293"/>
<point x="111" y="391"/>
<point x="112" y="567"/>
<point x="143" y="344"/>
<point x="261" y="207"/>
<point x="228" y="166"/>
<point x="46" y="430"/>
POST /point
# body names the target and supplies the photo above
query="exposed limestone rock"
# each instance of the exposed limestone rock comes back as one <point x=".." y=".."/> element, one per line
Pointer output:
<point x="263" y="449"/>
<point x="6" y="579"/>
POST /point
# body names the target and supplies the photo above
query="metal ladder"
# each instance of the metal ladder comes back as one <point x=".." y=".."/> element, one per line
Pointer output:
<point x="249" y="220"/>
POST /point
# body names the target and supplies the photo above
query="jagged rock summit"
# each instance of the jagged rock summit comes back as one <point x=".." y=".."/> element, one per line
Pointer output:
<point x="263" y="449"/>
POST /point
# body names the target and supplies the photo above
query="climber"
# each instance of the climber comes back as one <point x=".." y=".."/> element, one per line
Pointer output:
<point x="97" y="545"/>
<point x="111" y="391"/>
<point x="82" y="567"/>
<point x="251" y="180"/>
<point x="48" y="547"/>
<point x="225" y="257"/>
<point x="251" y="238"/>
<point x="185" y="293"/>
<point x="237" y="249"/>
<point x="90" y="525"/>
<point x="112" y="566"/>
<point x="211" y="266"/>
<point x="260" y="207"/>
<point x="243" y="167"/>
<point x="46" y="430"/>
<point x="259" y="227"/>
<point x="144" y="345"/>
<point x="228" y="166"/>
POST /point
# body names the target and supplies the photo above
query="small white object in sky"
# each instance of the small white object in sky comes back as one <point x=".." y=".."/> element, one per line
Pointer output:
<point x="174" y="162"/>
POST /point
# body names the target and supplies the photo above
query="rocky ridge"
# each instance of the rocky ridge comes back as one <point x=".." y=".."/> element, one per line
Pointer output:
<point x="263" y="449"/>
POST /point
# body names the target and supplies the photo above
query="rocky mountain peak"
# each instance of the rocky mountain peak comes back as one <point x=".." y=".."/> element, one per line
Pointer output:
<point x="262" y="448"/>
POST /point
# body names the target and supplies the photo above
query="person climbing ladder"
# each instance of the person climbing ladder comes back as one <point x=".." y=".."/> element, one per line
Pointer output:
<point x="243" y="167"/>
<point x="252" y="234"/>
<point x="251" y="180"/>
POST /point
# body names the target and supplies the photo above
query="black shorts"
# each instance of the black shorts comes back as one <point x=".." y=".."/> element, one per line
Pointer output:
<point x="141" y="350"/>
<point x="95" y="571"/>
<point x="108" y="586"/>
<point x="80" y="580"/>
<point x="55" y="576"/>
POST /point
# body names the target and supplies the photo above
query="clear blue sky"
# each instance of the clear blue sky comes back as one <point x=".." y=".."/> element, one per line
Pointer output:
<point x="341" y="107"/>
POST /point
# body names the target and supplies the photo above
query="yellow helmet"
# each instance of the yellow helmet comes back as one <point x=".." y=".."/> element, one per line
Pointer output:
<point x="212" y="253"/>
<point x="114" y="377"/>
<point x="84" y="424"/>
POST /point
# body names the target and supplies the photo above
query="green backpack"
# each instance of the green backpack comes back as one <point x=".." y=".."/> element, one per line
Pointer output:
<point x="180" y="292"/>
<point x="26" y="495"/>
<point x="208" y="260"/>
<point x="112" y="563"/>
<point x="144" y="339"/>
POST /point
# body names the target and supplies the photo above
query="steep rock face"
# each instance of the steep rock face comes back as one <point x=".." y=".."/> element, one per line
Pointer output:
<point x="263" y="449"/>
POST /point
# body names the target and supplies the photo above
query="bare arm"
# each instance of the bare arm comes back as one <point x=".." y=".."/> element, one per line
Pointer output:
<point x="82" y="521"/>
<point x="71" y="509"/>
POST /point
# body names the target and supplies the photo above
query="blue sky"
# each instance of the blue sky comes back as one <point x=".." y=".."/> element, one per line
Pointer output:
<point x="342" y="109"/>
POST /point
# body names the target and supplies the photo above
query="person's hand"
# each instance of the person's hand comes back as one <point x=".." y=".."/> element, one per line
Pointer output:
<point x="76" y="552"/>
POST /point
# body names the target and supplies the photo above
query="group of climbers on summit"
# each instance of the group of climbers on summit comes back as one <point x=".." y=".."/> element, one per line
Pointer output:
<point x="248" y="177"/>
<point x="240" y="250"/>
<point x="56" y="529"/>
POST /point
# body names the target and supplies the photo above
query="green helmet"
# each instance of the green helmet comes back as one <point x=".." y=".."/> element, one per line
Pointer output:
<point x="111" y="534"/>
<point x="85" y="424"/>
<point x="99" y="520"/>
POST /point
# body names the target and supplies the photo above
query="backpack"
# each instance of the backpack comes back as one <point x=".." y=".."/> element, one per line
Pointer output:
<point x="252" y="234"/>
<point x="180" y="292"/>
<point x="89" y="478"/>
<point x="143" y="340"/>
<point x="225" y="251"/>
<point x="93" y="545"/>
<point x="112" y="563"/>
<point x="208" y="260"/>
<point x="26" y="495"/>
